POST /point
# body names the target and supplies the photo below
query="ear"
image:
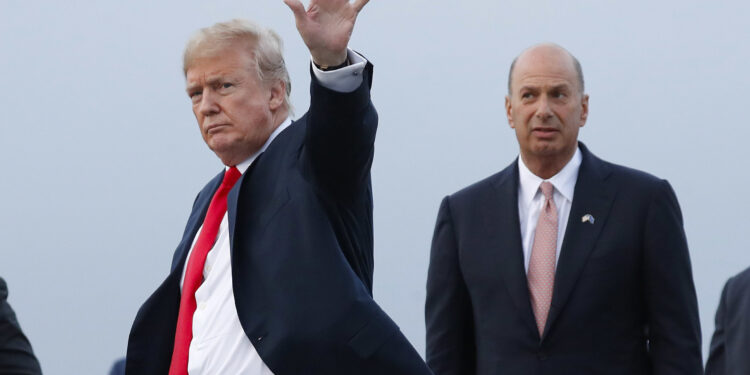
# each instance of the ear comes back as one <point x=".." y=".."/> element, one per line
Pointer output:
<point x="277" y="93"/>
<point x="584" y="110"/>
<point x="509" y="111"/>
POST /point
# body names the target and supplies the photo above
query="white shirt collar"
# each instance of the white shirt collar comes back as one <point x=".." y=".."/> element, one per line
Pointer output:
<point x="246" y="164"/>
<point x="564" y="181"/>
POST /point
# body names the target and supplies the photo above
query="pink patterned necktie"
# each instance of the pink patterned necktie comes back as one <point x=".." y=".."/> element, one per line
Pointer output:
<point x="541" y="273"/>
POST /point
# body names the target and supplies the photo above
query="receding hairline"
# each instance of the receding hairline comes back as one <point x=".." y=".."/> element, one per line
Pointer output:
<point x="243" y="44"/>
<point x="210" y="42"/>
<point x="576" y="65"/>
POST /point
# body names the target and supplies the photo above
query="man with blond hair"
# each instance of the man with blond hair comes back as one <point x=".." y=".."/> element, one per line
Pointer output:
<point x="274" y="271"/>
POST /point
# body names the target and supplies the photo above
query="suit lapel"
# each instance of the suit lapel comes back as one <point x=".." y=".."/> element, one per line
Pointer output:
<point x="257" y="209"/>
<point x="258" y="193"/>
<point x="502" y="213"/>
<point x="232" y="199"/>
<point x="195" y="221"/>
<point x="152" y="335"/>
<point x="593" y="196"/>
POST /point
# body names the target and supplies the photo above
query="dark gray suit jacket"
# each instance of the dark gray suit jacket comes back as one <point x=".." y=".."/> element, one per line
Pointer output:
<point x="16" y="356"/>
<point x="623" y="300"/>
<point x="730" y="345"/>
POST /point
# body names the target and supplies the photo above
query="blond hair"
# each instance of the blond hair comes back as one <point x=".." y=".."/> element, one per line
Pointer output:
<point x="266" y="48"/>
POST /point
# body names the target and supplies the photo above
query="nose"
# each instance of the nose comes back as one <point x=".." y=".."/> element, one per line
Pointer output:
<point x="208" y="105"/>
<point x="543" y="111"/>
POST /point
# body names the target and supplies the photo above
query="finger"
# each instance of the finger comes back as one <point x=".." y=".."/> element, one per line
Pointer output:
<point x="358" y="4"/>
<point x="297" y="8"/>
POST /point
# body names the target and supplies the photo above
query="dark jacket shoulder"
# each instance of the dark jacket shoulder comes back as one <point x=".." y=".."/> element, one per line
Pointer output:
<point x="16" y="355"/>
<point x="739" y="284"/>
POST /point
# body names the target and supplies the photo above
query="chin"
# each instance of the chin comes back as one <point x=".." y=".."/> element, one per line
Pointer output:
<point x="544" y="148"/>
<point x="220" y="142"/>
<point x="222" y="150"/>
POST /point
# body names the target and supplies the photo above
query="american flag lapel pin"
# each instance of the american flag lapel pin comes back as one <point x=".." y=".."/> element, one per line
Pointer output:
<point x="587" y="218"/>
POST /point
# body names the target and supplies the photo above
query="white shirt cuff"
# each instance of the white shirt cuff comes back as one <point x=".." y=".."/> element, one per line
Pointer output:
<point x="345" y="79"/>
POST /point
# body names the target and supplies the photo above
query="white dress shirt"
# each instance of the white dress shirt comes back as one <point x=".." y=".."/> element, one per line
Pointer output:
<point x="219" y="344"/>
<point x="531" y="202"/>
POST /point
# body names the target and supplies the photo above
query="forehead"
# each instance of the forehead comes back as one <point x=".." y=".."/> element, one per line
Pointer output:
<point x="223" y="62"/>
<point x="544" y="66"/>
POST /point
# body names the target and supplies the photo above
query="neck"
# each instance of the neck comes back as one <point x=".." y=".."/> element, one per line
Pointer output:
<point x="279" y="117"/>
<point x="547" y="166"/>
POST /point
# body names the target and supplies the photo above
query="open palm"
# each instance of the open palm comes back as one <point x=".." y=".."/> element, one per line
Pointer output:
<point x="326" y="26"/>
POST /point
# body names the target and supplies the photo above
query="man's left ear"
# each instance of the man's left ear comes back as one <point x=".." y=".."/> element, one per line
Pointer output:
<point x="584" y="109"/>
<point x="278" y="93"/>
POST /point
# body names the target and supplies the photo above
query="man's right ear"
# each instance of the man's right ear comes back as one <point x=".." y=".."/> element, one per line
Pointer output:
<point x="508" y="111"/>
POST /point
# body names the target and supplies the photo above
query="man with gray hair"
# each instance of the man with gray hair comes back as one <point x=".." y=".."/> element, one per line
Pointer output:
<point x="561" y="263"/>
<point x="274" y="271"/>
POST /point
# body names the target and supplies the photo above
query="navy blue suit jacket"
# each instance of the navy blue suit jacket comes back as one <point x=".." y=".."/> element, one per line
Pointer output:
<point x="16" y="356"/>
<point x="730" y="345"/>
<point x="300" y="225"/>
<point x="623" y="300"/>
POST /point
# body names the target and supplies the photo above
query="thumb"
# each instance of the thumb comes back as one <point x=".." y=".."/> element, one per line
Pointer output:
<point x="359" y="4"/>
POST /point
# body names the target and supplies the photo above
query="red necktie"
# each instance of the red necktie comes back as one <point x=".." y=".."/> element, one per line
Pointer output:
<point x="194" y="272"/>
<point x="543" y="257"/>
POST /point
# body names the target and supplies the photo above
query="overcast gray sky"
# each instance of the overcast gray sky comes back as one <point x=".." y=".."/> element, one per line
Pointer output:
<point x="101" y="156"/>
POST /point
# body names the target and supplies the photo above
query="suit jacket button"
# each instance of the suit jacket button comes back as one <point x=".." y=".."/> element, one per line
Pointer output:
<point x="542" y="356"/>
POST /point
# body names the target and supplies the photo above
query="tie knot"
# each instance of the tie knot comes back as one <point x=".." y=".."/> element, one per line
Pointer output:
<point x="547" y="189"/>
<point x="230" y="177"/>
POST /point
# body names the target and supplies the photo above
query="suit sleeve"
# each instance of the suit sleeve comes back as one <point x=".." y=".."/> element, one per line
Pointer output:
<point x="340" y="137"/>
<point x="716" y="364"/>
<point x="448" y="314"/>
<point x="673" y="324"/>
<point x="16" y="356"/>
<point x="338" y="150"/>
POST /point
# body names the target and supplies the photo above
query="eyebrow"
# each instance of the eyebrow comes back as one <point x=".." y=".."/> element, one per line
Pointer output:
<point x="212" y="81"/>
<point x="191" y="88"/>
<point x="561" y="86"/>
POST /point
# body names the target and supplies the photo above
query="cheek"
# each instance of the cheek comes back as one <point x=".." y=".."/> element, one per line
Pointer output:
<point x="198" y="117"/>
<point x="243" y="107"/>
<point x="523" y="118"/>
<point x="254" y="120"/>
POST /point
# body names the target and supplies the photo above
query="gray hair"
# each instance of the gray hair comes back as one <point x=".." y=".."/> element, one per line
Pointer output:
<point x="576" y="65"/>
<point x="267" y="49"/>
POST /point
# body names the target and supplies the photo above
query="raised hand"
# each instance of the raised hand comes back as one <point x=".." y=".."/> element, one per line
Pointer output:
<point x="326" y="27"/>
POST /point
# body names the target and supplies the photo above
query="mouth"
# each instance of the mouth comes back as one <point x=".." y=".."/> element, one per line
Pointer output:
<point x="544" y="132"/>
<point x="213" y="128"/>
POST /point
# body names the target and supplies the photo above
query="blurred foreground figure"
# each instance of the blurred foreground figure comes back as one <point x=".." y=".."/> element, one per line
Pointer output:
<point x="118" y="368"/>
<point x="562" y="263"/>
<point x="16" y="356"/>
<point x="730" y="345"/>
<point x="274" y="272"/>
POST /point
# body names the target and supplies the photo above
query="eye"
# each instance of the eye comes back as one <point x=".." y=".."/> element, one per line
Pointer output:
<point x="526" y="95"/>
<point x="195" y="95"/>
<point x="560" y="93"/>
<point x="226" y="85"/>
